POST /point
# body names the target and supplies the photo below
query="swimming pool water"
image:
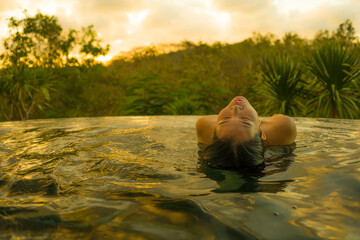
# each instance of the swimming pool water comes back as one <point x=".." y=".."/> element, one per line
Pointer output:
<point x="138" y="178"/>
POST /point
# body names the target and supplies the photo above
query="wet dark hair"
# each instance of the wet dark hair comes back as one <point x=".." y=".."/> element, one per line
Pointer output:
<point x="228" y="154"/>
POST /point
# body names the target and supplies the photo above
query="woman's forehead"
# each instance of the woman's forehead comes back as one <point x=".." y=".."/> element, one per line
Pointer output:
<point x="235" y="130"/>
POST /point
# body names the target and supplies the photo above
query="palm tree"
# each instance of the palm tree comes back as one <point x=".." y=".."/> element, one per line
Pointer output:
<point x="283" y="84"/>
<point x="335" y="67"/>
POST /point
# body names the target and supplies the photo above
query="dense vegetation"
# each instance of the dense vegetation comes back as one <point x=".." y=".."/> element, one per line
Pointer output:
<point x="41" y="78"/>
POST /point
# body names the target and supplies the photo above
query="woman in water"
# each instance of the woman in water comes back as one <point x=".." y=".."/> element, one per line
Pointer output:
<point x="235" y="138"/>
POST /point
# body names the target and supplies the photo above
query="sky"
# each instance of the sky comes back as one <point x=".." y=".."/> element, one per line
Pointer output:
<point x="125" y="24"/>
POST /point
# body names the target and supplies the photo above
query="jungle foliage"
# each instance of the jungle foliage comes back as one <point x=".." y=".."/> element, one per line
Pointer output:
<point x="40" y="77"/>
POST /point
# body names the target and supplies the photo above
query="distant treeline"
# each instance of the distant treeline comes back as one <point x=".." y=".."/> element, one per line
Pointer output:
<point x="40" y="78"/>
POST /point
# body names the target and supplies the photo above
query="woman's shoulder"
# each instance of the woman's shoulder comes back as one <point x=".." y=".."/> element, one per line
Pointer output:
<point x="207" y="118"/>
<point x="205" y="127"/>
<point x="280" y="129"/>
<point x="286" y="122"/>
<point x="206" y="121"/>
<point x="280" y="119"/>
<point x="280" y="116"/>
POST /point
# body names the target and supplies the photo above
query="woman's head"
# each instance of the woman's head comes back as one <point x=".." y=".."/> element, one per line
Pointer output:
<point x="231" y="154"/>
<point x="237" y="137"/>
<point x="238" y="121"/>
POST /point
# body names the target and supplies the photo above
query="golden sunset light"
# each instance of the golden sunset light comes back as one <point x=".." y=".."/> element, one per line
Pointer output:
<point x="184" y="119"/>
<point x="128" y="24"/>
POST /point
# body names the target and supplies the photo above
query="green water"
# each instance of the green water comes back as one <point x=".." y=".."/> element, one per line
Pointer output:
<point x="138" y="178"/>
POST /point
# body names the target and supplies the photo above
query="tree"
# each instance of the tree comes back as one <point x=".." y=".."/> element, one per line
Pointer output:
<point x="345" y="32"/>
<point x="147" y="95"/>
<point x="90" y="45"/>
<point x="37" y="41"/>
<point x="22" y="89"/>
<point x="35" y="49"/>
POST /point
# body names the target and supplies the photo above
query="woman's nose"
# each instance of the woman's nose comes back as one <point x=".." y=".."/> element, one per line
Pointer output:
<point x="237" y="106"/>
<point x="237" y="109"/>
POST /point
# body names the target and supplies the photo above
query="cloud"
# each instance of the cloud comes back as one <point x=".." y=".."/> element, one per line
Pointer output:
<point x="327" y="16"/>
<point x="186" y="20"/>
<point x="163" y="14"/>
<point x="169" y="21"/>
<point x="108" y="6"/>
<point x="9" y="5"/>
<point x="243" y="6"/>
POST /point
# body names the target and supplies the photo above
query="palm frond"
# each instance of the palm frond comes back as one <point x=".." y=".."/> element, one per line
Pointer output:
<point x="335" y="68"/>
<point x="282" y="78"/>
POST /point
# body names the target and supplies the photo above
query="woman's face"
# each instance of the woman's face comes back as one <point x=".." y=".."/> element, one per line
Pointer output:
<point x="238" y="120"/>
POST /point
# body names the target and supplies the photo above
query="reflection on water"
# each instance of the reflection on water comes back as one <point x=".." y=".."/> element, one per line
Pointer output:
<point x="138" y="177"/>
